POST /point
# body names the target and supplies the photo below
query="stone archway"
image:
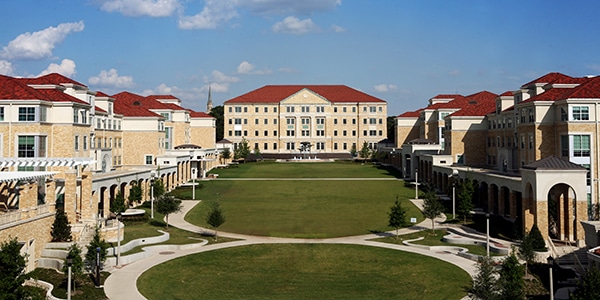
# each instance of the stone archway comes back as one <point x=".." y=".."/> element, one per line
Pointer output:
<point x="562" y="208"/>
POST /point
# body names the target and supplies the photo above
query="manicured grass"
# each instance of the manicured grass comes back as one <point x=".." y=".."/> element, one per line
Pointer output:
<point x="302" y="208"/>
<point x="269" y="169"/>
<point x="84" y="286"/>
<point x="304" y="271"/>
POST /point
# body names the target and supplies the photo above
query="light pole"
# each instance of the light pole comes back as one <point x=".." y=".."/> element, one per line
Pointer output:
<point x="487" y="235"/>
<point x="119" y="216"/>
<point x="69" y="264"/>
<point x="193" y="183"/>
<point x="152" y="195"/>
<point x="550" y="264"/>
<point x="98" y="249"/>
<point x="416" y="184"/>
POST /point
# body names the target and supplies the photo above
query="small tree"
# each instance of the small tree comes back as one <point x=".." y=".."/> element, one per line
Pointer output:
<point x="465" y="198"/>
<point x="118" y="204"/>
<point x="511" y="281"/>
<point x="96" y="242"/>
<point x="215" y="217"/>
<point x="537" y="240"/>
<point x="432" y="208"/>
<point x="76" y="263"/>
<point x="242" y="150"/>
<point x="526" y="251"/>
<point x="61" y="230"/>
<point x="158" y="188"/>
<point x="167" y="205"/>
<point x="257" y="153"/>
<point x="397" y="216"/>
<point x="485" y="281"/>
<point x="135" y="194"/>
<point x="12" y="265"/>
<point x="225" y="155"/>
<point x="587" y="285"/>
<point x="365" y="151"/>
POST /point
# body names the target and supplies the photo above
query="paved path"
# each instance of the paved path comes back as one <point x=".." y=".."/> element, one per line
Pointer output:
<point x="121" y="284"/>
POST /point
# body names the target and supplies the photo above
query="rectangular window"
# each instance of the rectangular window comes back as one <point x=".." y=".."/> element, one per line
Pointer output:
<point x="266" y="146"/>
<point x="305" y="121"/>
<point x="364" y="133"/>
<point x="353" y="132"/>
<point x="266" y="121"/>
<point x="27" y="114"/>
<point x="581" y="113"/>
<point x="335" y="133"/>
<point x="289" y="146"/>
<point x="344" y="121"/>
<point x="320" y="109"/>
<point x="245" y="121"/>
<point x="320" y="132"/>
<point x="245" y="109"/>
<point x="255" y="132"/>
<point x="238" y="133"/>
<point x="353" y="121"/>
<point x="76" y="143"/>
<point x="266" y="110"/>
<point x="581" y="145"/>
<point x="84" y="142"/>
<point x="563" y="114"/>
<point x="274" y="132"/>
<point x="335" y="147"/>
<point x="344" y="133"/>
<point x="335" y="121"/>
<point x="75" y="116"/>
<point x="256" y="109"/>
<point x="238" y="109"/>
<point x="290" y="133"/>
<point x="289" y="109"/>
<point x="373" y="132"/>
<point x="274" y="146"/>
<point x="373" y="121"/>
<point x="237" y="121"/>
<point x="531" y="142"/>
<point x="26" y="146"/>
<point x="266" y="133"/>
<point x="148" y="159"/>
<point x="320" y="146"/>
<point x="305" y="109"/>
<point x="305" y="132"/>
<point x="373" y="109"/>
<point x="345" y="146"/>
<point x="290" y="121"/>
<point x="230" y="109"/>
<point x="1" y="114"/>
<point x="255" y="121"/>
<point x="564" y="145"/>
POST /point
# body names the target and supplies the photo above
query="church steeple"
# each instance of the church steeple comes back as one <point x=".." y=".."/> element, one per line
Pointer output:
<point x="209" y="104"/>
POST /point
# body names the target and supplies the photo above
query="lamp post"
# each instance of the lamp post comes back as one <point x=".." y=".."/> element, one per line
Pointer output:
<point x="98" y="249"/>
<point x="416" y="184"/>
<point x="69" y="264"/>
<point x="119" y="216"/>
<point x="550" y="264"/>
<point x="152" y="195"/>
<point x="487" y="235"/>
<point x="193" y="183"/>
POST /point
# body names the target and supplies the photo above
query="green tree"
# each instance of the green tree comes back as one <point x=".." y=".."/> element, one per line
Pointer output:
<point x="257" y="153"/>
<point x="61" y="230"/>
<point x="391" y="128"/>
<point x="365" y="151"/>
<point x="465" y="198"/>
<point x="167" y="205"/>
<point x="353" y="150"/>
<point x="96" y="242"/>
<point x="526" y="251"/>
<point x="76" y="263"/>
<point x="218" y="113"/>
<point x="158" y="188"/>
<point x="215" y="217"/>
<point x="135" y="193"/>
<point x="225" y="155"/>
<point x="397" y="216"/>
<point x="118" y="204"/>
<point x="12" y="265"/>
<point x="485" y="282"/>
<point x="432" y="208"/>
<point x="587" y="285"/>
<point x="512" y="285"/>
<point x="242" y="150"/>
<point x="537" y="240"/>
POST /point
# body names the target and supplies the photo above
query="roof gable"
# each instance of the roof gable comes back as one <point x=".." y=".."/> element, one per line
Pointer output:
<point x="305" y="96"/>
<point x="553" y="163"/>
<point x="277" y="93"/>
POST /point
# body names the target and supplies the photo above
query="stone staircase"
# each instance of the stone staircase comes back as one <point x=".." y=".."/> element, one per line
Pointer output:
<point x="54" y="254"/>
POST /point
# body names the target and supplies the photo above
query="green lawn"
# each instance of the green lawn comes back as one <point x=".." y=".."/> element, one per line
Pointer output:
<point x="301" y="208"/>
<point x="304" y="271"/>
<point x="269" y="169"/>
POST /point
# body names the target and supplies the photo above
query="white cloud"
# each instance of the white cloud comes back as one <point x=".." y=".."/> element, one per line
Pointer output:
<point x="283" y="7"/>
<point x="6" y="68"/>
<point x="39" y="44"/>
<point x="294" y="25"/>
<point x="214" y="13"/>
<point x="248" y="68"/>
<point x="336" y="28"/>
<point x="111" y="79"/>
<point x="66" y="68"/>
<point x="384" y="88"/>
<point x="454" y="73"/>
<point x="136" y="8"/>
<point x="220" y="77"/>
<point x="245" y="68"/>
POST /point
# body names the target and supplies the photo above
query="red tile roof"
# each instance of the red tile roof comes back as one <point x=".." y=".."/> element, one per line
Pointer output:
<point x="101" y="94"/>
<point x="60" y="96"/>
<point x="589" y="89"/>
<point x="131" y="105"/>
<point x="553" y="77"/>
<point x="199" y="114"/>
<point x="53" y="78"/>
<point x="277" y="93"/>
<point x="15" y="89"/>
<point x="507" y="93"/>
<point x="411" y="114"/>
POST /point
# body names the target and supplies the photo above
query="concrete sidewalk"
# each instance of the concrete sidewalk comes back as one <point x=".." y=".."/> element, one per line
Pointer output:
<point x="121" y="284"/>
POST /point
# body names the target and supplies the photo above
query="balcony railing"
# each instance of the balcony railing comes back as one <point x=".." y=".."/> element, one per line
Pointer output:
<point x="13" y="216"/>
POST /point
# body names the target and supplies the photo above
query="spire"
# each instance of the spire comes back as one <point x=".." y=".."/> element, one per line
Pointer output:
<point x="209" y="104"/>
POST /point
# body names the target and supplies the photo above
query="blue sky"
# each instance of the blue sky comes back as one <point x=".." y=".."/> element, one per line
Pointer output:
<point x="403" y="52"/>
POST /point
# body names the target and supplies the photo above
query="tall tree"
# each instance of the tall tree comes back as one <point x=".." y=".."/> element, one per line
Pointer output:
<point x="512" y="285"/>
<point x="391" y="128"/>
<point x="365" y="151"/>
<point x="397" y="216"/>
<point x="242" y="150"/>
<point x="485" y="282"/>
<point x="118" y="204"/>
<point x="167" y="205"/>
<point x="12" y="264"/>
<point x="215" y="217"/>
<point x="218" y="112"/>
<point x="158" y="188"/>
<point x="465" y="198"/>
<point x="353" y="150"/>
<point x="587" y="285"/>
<point x="61" y="230"/>
<point x="225" y="155"/>
<point x="432" y="208"/>
<point x="135" y="193"/>
<point x="526" y="251"/>
<point x="91" y="255"/>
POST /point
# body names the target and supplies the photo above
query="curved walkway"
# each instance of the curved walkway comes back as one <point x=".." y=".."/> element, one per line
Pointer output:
<point x="121" y="284"/>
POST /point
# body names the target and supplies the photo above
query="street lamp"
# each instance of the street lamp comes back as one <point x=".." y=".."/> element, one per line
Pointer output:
<point x="194" y="183"/>
<point x="98" y="249"/>
<point x="69" y="265"/>
<point x="550" y="264"/>
<point x="152" y="195"/>
<point x="416" y="184"/>
<point x="454" y="175"/>
<point x="487" y="235"/>
<point x="119" y="216"/>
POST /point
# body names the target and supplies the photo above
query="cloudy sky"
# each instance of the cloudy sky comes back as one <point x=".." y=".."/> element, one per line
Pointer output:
<point x="401" y="51"/>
